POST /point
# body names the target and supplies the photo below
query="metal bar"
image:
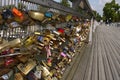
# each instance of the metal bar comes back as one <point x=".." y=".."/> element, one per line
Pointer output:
<point x="55" y="5"/>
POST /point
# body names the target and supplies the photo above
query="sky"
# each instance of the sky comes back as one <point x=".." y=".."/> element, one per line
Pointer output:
<point x="98" y="4"/>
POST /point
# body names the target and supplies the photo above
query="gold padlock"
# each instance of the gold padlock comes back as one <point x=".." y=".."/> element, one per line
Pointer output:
<point x="55" y="16"/>
<point x="26" y="68"/>
<point x="23" y="58"/>
<point x="36" y="15"/>
<point x="30" y="40"/>
<point x="45" y="72"/>
<point x="37" y="33"/>
<point x="68" y="17"/>
<point x="48" y="78"/>
<point x="51" y="36"/>
<point x="18" y="76"/>
<point x="12" y="43"/>
<point x="46" y="41"/>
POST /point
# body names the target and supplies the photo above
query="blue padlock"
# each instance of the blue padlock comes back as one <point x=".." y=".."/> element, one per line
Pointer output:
<point x="48" y="14"/>
<point x="40" y="38"/>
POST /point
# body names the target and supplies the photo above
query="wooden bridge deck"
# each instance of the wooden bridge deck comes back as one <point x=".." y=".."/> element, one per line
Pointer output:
<point x="99" y="61"/>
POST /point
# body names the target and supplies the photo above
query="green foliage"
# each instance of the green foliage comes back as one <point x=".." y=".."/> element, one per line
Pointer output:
<point x="65" y="3"/>
<point x="97" y="16"/>
<point x="111" y="11"/>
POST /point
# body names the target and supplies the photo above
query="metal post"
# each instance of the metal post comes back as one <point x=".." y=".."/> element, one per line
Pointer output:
<point x="90" y="34"/>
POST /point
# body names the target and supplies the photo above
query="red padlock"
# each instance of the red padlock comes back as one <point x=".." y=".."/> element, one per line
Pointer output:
<point x="8" y="61"/>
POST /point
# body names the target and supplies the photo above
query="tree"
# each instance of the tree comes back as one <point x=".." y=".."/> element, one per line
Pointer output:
<point x="111" y="11"/>
<point x="97" y="16"/>
<point x="65" y="3"/>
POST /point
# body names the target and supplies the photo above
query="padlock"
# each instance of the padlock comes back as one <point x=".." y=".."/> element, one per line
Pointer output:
<point x="31" y="76"/>
<point x="63" y="54"/>
<point x="51" y="36"/>
<point x="7" y="75"/>
<point x="61" y="64"/>
<point x="29" y="41"/>
<point x="14" y="25"/>
<point x="45" y="72"/>
<point x="61" y="30"/>
<point x="68" y="17"/>
<point x="37" y="33"/>
<point x="54" y="78"/>
<point x="12" y="43"/>
<point x="4" y="71"/>
<point x="56" y="32"/>
<point x="38" y="74"/>
<point x="44" y="63"/>
<point x="48" y="14"/>
<point x="59" y="76"/>
<point x="27" y="21"/>
<point x="26" y="68"/>
<point x="40" y="38"/>
<point x="23" y="58"/>
<point x="55" y="44"/>
<point x="46" y="41"/>
<point x="36" y="15"/>
<point x="49" y="62"/>
<point x="16" y="12"/>
<point x="55" y="16"/>
<point x="18" y="76"/>
<point x="52" y="72"/>
<point x="47" y="32"/>
<point x="61" y="18"/>
<point x="48" y="78"/>
<point x="7" y="14"/>
<point x="10" y="62"/>
<point x="5" y="52"/>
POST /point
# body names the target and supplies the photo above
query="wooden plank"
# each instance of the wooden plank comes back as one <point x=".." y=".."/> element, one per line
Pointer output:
<point x="100" y="60"/>
<point x="111" y="63"/>
<point x="103" y="62"/>
<point x="106" y="64"/>
<point x="95" y="61"/>
<point x="80" y="71"/>
<point x="87" y="75"/>
<point x="69" y="73"/>
<point x="113" y="54"/>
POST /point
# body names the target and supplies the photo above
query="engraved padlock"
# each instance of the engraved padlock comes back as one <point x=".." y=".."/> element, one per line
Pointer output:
<point x="26" y="68"/>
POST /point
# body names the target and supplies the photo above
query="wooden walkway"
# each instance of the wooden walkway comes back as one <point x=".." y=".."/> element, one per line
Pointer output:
<point x="101" y="60"/>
